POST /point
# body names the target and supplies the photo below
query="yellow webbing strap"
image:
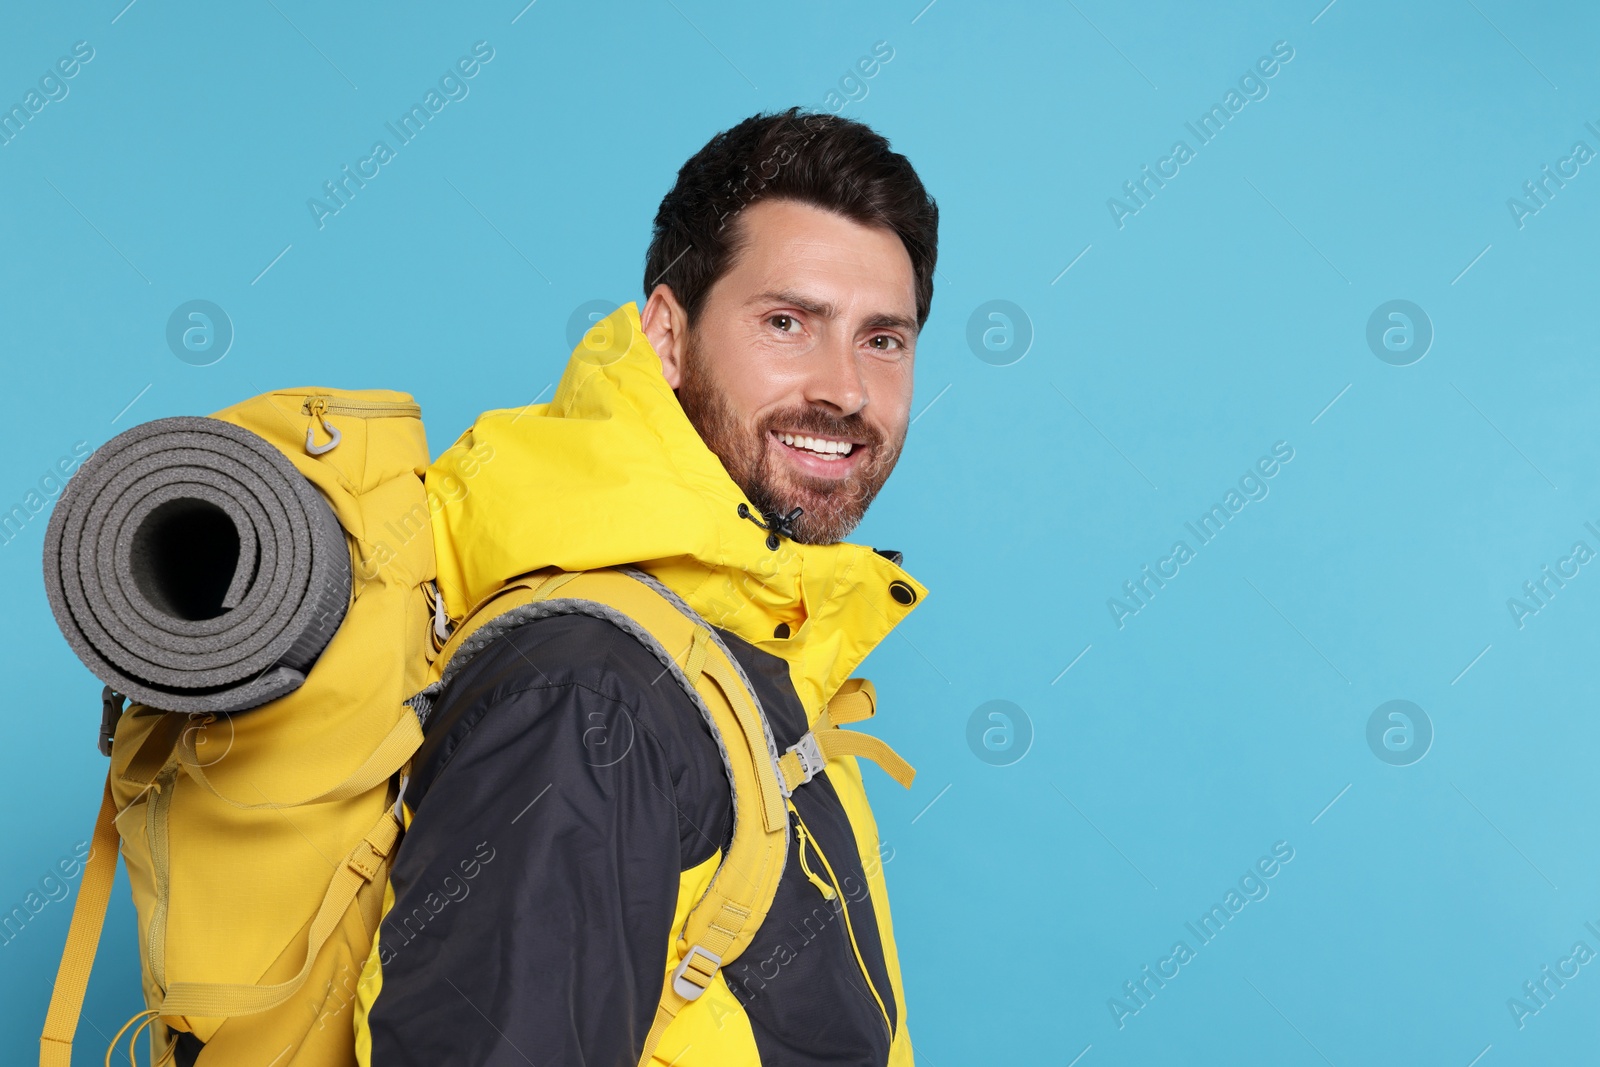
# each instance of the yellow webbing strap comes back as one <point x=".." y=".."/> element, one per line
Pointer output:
<point x="834" y="742"/>
<point x="856" y="700"/>
<point x="398" y="745"/>
<point x="154" y="750"/>
<point x="694" y="666"/>
<point x="83" y="938"/>
<point x="719" y="944"/>
<point x="220" y="1000"/>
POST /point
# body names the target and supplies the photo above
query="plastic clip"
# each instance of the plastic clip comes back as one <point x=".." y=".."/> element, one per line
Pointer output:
<point x="110" y="712"/>
<point x="809" y="753"/>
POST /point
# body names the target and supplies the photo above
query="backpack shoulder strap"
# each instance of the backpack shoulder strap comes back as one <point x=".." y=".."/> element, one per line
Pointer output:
<point x="722" y="922"/>
<point x="83" y="937"/>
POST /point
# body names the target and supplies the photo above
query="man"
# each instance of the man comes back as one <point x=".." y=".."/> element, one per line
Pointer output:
<point x="566" y="809"/>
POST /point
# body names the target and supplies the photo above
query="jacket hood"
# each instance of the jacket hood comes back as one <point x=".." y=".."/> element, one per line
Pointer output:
<point x="612" y="472"/>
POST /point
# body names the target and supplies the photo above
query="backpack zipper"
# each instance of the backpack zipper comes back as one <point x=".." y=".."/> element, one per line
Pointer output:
<point x="361" y="409"/>
<point x="321" y="406"/>
<point x="830" y="891"/>
<point x="160" y="867"/>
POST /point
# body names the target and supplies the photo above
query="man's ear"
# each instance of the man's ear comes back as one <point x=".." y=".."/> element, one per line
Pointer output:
<point x="666" y="327"/>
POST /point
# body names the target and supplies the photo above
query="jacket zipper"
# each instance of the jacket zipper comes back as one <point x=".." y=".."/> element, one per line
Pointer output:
<point x="830" y="891"/>
<point x="361" y="409"/>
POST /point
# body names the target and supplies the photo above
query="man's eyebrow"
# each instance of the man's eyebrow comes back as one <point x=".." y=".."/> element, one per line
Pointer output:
<point x="826" y="310"/>
<point x="893" y="322"/>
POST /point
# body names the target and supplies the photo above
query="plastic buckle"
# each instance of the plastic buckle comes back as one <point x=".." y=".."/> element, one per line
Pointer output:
<point x="397" y="811"/>
<point x="441" y="621"/>
<point x="110" y="712"/>
<point x="685" y="987"/>
<point x="809" y="753"/>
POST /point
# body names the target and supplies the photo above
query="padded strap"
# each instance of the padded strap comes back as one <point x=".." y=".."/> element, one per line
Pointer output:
<point x="721" y="923"/>
<point x="83" y="938"/>
<point x="753" y="727"/>
<point x="540" y="585"/>
<point x="219" y="1000"/>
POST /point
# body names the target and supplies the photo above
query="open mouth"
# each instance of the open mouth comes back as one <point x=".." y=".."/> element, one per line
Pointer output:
<point x="826" y="447"/>
<point x="820" y="454"/>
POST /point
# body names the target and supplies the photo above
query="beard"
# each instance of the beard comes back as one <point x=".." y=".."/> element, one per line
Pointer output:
<point x="830" y="507"/>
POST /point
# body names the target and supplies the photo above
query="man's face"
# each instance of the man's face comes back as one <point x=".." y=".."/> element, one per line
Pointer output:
<point x="797" y="372"/>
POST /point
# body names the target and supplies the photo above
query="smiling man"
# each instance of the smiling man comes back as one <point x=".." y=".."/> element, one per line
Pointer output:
<point x="571" y="803"/>
<point x="816" y="316"/>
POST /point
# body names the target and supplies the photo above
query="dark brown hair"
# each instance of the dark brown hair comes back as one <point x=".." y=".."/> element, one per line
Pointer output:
<point x="833" y="163"/>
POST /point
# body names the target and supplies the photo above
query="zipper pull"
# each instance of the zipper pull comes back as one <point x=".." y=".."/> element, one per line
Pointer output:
<point x="827" y="891"/>
<point x="317" y="408"/>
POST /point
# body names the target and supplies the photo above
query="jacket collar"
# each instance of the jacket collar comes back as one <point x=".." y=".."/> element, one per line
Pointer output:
<point x="612" y="472"/>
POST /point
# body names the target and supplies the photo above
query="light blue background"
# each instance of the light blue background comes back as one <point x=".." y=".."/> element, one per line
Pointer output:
<point x="1224" y="317"/>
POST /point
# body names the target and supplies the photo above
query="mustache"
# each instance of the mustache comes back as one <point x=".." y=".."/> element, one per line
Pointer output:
<point x="812" y="420"/>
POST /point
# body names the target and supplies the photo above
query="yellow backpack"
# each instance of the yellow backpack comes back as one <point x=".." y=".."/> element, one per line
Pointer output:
<point x="258" y="844"/>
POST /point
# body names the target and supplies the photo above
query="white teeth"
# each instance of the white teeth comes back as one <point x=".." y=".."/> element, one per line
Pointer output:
<point x="827" y="449"/>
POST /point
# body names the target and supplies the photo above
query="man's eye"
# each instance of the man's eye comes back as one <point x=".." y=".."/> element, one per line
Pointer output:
<point x="786" y="323"/>
<point x="884" y="343"/>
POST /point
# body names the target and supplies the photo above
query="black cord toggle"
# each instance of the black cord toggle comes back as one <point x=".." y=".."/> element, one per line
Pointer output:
<point x="775" y="525"/>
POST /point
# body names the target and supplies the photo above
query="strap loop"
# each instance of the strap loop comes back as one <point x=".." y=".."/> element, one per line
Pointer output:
<point x="855" y="701"/>
<point x="695" y="664"/>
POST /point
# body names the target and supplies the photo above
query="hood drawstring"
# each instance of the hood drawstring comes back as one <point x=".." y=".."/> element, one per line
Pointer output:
<point x="775" y="525"/>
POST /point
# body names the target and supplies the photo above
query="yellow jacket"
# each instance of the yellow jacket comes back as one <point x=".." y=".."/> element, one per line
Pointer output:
<point x="610" y="472"/>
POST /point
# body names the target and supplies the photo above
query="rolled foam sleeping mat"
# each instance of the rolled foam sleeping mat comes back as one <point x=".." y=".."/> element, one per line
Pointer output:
<point x="193" y="569"/>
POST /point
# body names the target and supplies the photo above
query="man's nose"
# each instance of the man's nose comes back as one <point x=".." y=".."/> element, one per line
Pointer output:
<point x="836" y="380"/>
